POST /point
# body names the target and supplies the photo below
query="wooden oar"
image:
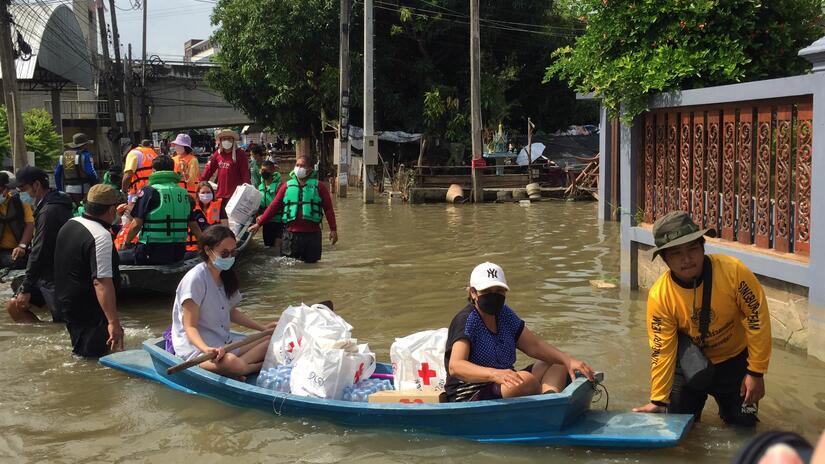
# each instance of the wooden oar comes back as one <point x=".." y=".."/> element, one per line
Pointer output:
<point x="211" y="355"/>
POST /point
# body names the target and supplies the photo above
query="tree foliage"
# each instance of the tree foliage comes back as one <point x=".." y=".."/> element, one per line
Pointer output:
<point x="635" y="48"/>
<point x="40" y="134"/>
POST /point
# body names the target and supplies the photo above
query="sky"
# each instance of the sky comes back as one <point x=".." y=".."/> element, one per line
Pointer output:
<point x="170" y="23"/>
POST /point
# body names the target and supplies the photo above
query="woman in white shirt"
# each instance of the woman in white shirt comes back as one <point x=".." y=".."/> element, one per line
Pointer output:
<point x="206" y="303"/>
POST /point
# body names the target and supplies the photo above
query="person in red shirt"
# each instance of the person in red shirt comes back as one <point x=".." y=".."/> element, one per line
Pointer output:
<point x="230" y="162"/>
<point x="303" y="202"/>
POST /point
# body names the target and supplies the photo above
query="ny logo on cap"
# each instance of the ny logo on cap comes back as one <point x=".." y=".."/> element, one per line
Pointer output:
<point x="492" y="273"/>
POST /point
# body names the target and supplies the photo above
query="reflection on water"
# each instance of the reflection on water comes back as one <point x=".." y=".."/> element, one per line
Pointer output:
<point x="397" y="269"/>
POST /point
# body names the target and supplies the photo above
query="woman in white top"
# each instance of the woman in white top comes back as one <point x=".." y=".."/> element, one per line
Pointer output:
<point x="206" y="303"/>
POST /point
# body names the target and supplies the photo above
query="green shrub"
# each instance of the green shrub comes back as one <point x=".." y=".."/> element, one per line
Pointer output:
<point x="40" y="134"/>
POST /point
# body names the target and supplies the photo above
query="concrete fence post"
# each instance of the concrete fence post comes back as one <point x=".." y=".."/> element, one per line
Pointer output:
<point x="630" y="177"/>
<point x="605" y="166"/>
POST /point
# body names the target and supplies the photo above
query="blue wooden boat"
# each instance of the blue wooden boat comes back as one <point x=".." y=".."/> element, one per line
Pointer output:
<point x="552" y="419"/>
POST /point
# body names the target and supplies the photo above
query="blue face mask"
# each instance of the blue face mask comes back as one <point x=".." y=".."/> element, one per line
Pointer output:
<point x="26" y="198"/>
<point x="224" y="264"/>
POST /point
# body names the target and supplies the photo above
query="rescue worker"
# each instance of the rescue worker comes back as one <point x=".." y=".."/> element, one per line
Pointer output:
<point x="75" y="171"/>
<point x="255" y="164"/>
<point x="230" y="163"/>
<point x="303" y="202"/>
<point x="16" y="226"/>
<point x="138" y="168"/>
<point x="207" y="211"/>
<point x="186" y="164"/>
<point x="273" y="230"/>
<point x="51" y="210"/>
<point x="737" y="330"/>
<point x="114" y="176"/>
<point x="161" y="216"/>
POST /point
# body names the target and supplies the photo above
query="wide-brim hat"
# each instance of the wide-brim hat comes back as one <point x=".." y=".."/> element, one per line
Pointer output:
<point x="676" y="228"/>
<point x="79" y="140"/>
<point x="183" y="140"/>
<point x="226" y="133"/>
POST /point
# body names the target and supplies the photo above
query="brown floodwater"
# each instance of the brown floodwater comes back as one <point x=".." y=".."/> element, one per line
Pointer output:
<point x="398" y="269"/>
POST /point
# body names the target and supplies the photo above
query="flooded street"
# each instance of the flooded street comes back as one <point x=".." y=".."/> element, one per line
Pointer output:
<point x="396" y="270"/>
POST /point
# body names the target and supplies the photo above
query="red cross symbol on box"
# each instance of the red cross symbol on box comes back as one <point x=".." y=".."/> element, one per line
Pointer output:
<point x="426" y="373"/>
<point x="359" y="372"/>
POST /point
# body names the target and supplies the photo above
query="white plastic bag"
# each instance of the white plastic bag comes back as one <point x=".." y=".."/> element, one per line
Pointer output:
<point x="297" y="326"/>
<point x="243" y="204"/>
<point x="325" y="370"/>
<point x="418" y="361"/>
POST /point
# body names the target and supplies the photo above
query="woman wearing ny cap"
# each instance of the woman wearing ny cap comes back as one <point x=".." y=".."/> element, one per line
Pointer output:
<point x="481" y="348"/>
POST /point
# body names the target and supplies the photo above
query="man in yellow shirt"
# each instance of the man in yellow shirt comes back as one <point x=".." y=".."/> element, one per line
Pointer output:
<point x="737" y="340"/>
<point x="16" y="226"/>
<point x="138" y="168"/>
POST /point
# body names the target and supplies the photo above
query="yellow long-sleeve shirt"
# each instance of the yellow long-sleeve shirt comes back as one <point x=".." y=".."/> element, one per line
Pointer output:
<point x="739" y="319"/>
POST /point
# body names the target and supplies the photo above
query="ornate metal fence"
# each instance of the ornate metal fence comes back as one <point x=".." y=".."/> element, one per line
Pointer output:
<point x="743" y="169"/>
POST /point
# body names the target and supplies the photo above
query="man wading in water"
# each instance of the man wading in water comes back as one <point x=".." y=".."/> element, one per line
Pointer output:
<point x="738" y="336"/>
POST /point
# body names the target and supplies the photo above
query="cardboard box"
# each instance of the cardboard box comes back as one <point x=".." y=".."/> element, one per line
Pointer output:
<point x="406" y="397"/>
<point x="244" y="203"/>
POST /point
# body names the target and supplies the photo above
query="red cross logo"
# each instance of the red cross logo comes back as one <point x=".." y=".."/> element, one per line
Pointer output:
<point x="359" y="372"/>
<point x="292" y="346"/>
<point x="411" y="401"/>
<point x="425" y="373"/>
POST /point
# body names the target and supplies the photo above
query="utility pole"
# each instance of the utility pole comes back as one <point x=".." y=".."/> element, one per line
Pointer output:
<point x="343" y="102"/>
<point x="107" y="79"/>
<point x="475" y="103"/>
<point x="118" y="70"/>
<point x="130" y="108"/>
<point x="14" y="117"/>
<point x="530" y="127"/>
<point x="370" y="141"/>
<point x="144" y="111"/>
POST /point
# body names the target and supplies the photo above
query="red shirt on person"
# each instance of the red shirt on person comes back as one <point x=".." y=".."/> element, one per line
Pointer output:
<point x="300" y="224"/>
<point x="231" y="173"/>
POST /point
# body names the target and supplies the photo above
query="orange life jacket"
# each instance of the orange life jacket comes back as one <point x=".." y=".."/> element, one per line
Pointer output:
<point x="140" y="177"/>
<point x="212" y="213"/>
<point x="121" y="236"/>
<point x="182" y="167"/>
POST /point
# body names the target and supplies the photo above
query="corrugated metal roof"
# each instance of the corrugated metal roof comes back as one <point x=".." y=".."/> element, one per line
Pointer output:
<point x="57" y="43"/>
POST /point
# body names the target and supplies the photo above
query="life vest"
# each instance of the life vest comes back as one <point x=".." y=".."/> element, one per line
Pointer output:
<point x="79" y="209"/>
<point x="182" y="168"/>
<point x="140" y="177"/>
<point x="212" y="213"/>
<point x="168" y="222"/>
<point x="268" y="194"/>
<point x="120" y="238"/>
<point x="13" y="218"/>
<point x="306" y="198"/>
<point x="73" y="171"/>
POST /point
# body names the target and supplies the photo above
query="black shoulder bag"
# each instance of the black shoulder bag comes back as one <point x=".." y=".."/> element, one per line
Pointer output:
<point x="696" y="367"/>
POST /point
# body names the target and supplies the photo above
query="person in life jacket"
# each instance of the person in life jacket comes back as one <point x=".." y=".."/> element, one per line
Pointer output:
<point x="114" y="176"/>
<point x="208" y="211"/>
<point x="186" y="164"/>
<point x="230" y="163"/>
<point x="273" y="230"/>
<point x="162" y="217"/>
<point x="736" y="336"/>
<point x="16" y="226"/>
<point x="75" y="172"/>
<point x="138" y="168"/>
<point x="302" y="202"/>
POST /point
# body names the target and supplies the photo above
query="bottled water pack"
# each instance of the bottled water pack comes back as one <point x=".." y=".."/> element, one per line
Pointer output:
<point x="275" y="378"/>
<point x="361" y="391"/>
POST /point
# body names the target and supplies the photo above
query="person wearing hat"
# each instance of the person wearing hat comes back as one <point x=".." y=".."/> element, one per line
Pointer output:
<point x="482" y="340"/>
<point x="270" y="183"/>
<point x="186" y="164"/>
<point x="16" y="226"/>
<point x="737" y="337"/>
<point x="75" y="170"/>
<point x="51" y="210"/>
<point x="230" y="163"/>
<point x="138" y="168"/>
<point x="85" y="289"/>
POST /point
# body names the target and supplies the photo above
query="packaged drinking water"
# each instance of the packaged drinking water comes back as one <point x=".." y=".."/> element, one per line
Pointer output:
<point x="275" y="378"/>
<point x="361" y="391"/>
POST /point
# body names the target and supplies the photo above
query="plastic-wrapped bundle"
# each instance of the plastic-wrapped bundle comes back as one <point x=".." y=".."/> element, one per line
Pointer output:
<point x="275" y="378"/>
<point x="361" y="391"/>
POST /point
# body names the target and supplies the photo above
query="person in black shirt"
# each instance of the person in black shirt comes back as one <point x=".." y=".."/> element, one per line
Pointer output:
<point x="86" y="286"/>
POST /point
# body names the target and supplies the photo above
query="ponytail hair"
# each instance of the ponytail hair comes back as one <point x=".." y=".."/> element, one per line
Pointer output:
<point x="211" y="237"/>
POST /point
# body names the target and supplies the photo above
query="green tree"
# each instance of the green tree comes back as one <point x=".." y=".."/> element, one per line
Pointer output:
<point x="633" y="49"/>
<point x="40" y="134"/>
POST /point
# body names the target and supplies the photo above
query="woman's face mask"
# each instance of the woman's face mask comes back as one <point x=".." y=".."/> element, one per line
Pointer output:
<point x="226" y="144"/>
<point x="491" y="303"/>
<point x="179" y="150"/>
<point x="205" y="197"/>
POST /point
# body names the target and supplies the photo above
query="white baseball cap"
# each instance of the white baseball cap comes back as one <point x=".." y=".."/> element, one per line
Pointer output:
<point x="487" y="275"/>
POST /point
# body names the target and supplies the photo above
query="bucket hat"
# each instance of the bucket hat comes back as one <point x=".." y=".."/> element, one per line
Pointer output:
<point x="676" y="228"/>
<point x="183" y="140"/>
<point x="79" y="140"/>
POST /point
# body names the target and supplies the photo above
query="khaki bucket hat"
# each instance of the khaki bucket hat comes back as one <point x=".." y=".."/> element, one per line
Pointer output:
<point x="676" y="228"/>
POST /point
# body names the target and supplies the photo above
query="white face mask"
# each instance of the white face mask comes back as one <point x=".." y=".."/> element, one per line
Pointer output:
<point x="205" y="197"/>
<point x="226" y="144"/>
<point x="179" y="149"/>
<point x="300" y="172"/>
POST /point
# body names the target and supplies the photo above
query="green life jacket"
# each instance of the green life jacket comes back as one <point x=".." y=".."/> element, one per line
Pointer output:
<point x="79" y="209"/>
<point x="306" y="198"/>
<point x="268" y="194"/>
<point x="13" y="218"/>
<point x="73" y="171"/>
<point x="168" y="223"/>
